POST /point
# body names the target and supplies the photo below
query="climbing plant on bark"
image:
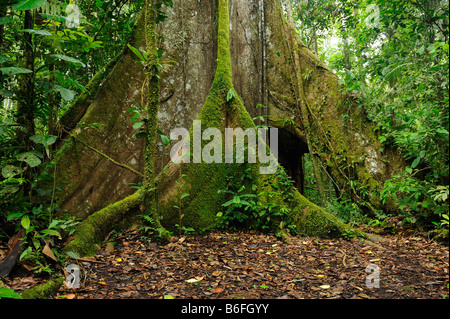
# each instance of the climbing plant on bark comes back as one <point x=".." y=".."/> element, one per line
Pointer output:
<point x="151" y="120"/>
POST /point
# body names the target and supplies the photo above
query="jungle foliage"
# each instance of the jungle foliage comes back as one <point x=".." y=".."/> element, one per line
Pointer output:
<point x="391" y="55"/>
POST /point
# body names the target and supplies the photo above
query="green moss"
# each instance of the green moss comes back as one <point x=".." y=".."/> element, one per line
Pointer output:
<point x="203" y="181"/>
<point x="94" y="228"/>
<point x="44" y="291"/>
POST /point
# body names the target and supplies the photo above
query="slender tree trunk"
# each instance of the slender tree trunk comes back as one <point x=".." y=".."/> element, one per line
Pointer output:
<point x="314" y="48"/>
<point x="2" y="30"/>
<point x="151" y="122"/>
<point x="25" y="103"/>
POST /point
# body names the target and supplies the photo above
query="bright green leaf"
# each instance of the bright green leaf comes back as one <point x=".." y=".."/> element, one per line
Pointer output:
<point x="415" y="162"/>
<point x="39" y="32"/>
<point x="43" y="139"/>
<point x="184" y="195"/>
<point x="138" y="125"/>
<point x="137" y="52"/>
<point x="13" y="71"/>
<point x="165" y="139"/>
<point x="30" y="158"/>
<point x="230" y="95"/>
<point x="9" y="293"/>
<point x="68" y="59"/>
<point x="51" y="232"/>
<point x="15" y="215"/>
<point x="421" y="50"/>
<point x="66" y="94"/>
<point x="25" y="222"/>
<point x="9" y="171"/>
<point x="28" y="4"/>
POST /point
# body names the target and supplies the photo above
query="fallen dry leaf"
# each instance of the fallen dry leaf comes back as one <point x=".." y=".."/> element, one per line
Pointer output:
<point x="194" y="280"/>
<point x="48" y="252"/>
<point x="218" y="290"/>
<point x="127" y="294"/>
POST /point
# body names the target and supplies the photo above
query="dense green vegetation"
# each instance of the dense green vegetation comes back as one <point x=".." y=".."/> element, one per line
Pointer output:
<point x="49" y="52"/>
<point x="391" y="55"/>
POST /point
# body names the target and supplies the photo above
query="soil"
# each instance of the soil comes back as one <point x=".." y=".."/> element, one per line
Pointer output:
<point x="252" y="265"/>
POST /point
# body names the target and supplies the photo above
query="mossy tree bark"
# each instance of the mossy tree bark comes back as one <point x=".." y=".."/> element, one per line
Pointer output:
<point x="151" y="120"/>
<point x="256" y="54"/>
<point x="338" y="133"/>
<point x="25" y="103"/>
<point x="204" y="181"/>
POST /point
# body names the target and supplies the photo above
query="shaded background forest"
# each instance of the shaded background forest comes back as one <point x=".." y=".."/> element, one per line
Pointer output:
<point x="391" y="55"/>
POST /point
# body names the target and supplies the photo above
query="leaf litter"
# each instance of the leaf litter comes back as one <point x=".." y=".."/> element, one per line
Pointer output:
<point x="252" y="265"/>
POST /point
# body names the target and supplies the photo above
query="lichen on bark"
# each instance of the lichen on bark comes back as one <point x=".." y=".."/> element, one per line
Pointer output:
<point x="151" y="120"/>
<point x="203" y="181"/>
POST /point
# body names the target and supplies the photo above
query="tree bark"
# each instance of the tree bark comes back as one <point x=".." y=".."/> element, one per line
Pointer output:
<point x="25" y="102"/>
<point x="203" y="181"/>
<point x="268" y="63"/>
<point x="151" y="120"/>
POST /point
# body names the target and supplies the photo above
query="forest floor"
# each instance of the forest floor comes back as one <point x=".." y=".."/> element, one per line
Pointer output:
<point x="250" y="265"/>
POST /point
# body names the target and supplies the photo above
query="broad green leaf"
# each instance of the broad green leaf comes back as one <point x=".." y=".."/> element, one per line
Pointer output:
<point x="25" y="222"/>
<point x="165" y="139"/>
<point x="135" y="117"/>
<point x="15" y="215"/>
<point x="14" y="71"/>
<point x="236" y="200"/>
<point x="73" y="255"/>
<point x="9" y="293"/>
<point x="169" y="297"/>
<point x="33" y="31"/>
<point x="26" y="253"/>
<point x="138" y="125"/>
<point x="68" y="59"/>
<point x="43" y="139"/>
<point x="230" y="95"/>
<point x="137" y="52"/>
<point x="415" y="162"/>
<point x="9" y="171"/>
<point x="53" y="223"/>
<point x="4" y="20"/>
<point x="28" y="4"/>
<point x="30" y="158"/>
<point x="51" y="232"/>
<point x="66" y="94"/>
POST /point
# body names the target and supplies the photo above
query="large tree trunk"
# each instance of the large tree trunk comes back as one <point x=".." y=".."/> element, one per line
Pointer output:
<point x="270" y="66"/>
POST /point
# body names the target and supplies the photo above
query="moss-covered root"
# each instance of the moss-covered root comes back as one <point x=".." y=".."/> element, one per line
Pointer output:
<point x="44" y="291"/>
<point x="95" y="227"/>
